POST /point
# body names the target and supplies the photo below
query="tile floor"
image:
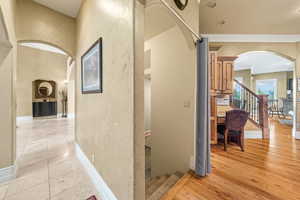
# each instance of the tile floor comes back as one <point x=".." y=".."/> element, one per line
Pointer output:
<point x="47" y="166"/>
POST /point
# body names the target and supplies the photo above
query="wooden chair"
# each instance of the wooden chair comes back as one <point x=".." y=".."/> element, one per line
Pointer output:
<point x="235" y="122"/>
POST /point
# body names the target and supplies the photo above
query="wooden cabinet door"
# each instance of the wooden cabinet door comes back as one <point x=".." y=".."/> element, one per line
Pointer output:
<point x="213" y="120"/>
<point x="219" y="76"/>
<point x="227" y="76"/>
<point x="213" y="72"/>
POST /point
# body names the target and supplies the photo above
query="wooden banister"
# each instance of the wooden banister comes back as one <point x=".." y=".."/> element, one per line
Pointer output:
<point x="264" y="116"/>
<point x="245" y="87"/>
<point x="256" y="105"/>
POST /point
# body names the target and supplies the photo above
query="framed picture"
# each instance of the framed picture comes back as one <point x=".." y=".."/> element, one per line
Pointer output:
<point x="91" y="69"/>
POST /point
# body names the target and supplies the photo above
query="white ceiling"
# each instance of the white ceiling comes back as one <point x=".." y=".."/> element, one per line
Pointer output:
<point x="250" y="17"/>
<point x="67" y="7"/>
<point x="157" y="20"/>
<point x="261" y="62"/>
<point x="43" y="47"/>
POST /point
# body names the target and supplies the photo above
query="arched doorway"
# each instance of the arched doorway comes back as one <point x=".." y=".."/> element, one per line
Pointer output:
<point x="268" y="73"/>
<point x="45" y="88"/>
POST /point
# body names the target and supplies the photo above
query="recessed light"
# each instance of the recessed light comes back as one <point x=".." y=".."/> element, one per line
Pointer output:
<point x="211" y="4"/>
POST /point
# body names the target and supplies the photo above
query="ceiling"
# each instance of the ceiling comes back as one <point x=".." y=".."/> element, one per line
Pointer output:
<point x="157" y="20"/>
<point x="67" y="7"/>
<point x="250" y="16"/>
<point x="260" y="62"/>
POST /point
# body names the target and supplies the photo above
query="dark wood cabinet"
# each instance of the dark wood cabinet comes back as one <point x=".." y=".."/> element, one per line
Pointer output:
<point x="43" y="109"/>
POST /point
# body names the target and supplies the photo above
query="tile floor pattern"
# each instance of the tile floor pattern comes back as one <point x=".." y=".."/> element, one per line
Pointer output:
<point x="47" y="166"/>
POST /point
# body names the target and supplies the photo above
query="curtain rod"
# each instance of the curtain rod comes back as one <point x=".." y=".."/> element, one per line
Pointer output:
<point x="180" y="19"/>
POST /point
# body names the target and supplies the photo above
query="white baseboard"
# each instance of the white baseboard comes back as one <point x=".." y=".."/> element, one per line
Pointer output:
<point x="24" y="118"/>
<point x="297" y="135"/>
<point x="7" y="174"/>
<point x="101" y="186"/>
<point x="253" y="134"/>
<point x="71" y="115"/>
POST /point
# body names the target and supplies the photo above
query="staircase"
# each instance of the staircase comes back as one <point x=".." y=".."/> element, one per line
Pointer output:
<point x="256" y="105"/>
<point x="157" y="187"/>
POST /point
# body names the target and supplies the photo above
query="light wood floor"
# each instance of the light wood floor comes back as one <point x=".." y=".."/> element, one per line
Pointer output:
<point x="267" y="170"/>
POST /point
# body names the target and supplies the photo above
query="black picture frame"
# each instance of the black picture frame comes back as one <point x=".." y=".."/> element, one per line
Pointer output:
<point x="180" y="5"/>
<point x="95" y="48"/>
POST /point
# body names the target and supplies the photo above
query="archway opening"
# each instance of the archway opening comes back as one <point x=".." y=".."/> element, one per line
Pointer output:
<point x="272" y="74"/>
<point x="45" y="89"/>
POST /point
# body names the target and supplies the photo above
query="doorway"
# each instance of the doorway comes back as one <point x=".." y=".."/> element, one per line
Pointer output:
<point x="44" y="92"/>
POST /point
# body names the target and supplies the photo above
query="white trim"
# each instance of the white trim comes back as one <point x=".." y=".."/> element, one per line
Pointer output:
<point x="253" y="134"/>
<point x="22" y="118"/>
<point x="71" y="115"/>
<point x="296" y="134"/>
<point x="101" y="186"/>
<point x="7" y="174"/>
<point x="252" y="38"/>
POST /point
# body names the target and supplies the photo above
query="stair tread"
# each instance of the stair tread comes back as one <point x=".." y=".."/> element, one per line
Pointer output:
<point x="154" y="184"/>
<point x="177" y="187"/>
<point x="164" y="187"/>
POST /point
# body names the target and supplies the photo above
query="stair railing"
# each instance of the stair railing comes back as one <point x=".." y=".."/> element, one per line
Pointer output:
<point x="256" y="105"/>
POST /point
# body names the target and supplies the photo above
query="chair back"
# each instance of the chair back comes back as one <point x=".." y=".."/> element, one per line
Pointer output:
<point x="235" y="120"/>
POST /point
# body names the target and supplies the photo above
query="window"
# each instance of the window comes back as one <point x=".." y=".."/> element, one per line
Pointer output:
<point x="267" y="87"/>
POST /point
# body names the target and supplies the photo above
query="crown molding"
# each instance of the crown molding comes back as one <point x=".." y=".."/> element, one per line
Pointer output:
<point x="283" y="38"/>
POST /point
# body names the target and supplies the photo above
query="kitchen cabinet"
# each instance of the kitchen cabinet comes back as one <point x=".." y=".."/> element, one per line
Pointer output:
<point x="221" y="73"/>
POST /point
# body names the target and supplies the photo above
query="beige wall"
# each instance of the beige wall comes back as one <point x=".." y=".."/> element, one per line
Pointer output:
<point x="7" y="78"/>
<point x="33" y="64"/>
<point x="287" y="50"/>
<point x="281" y="77"/>
<point x="71" y="92"/>
<point x="38" y="23"/>
<point x="139" y="137"/>
<point x="147" y="95"/>
<point x="246" y="75"/>
<point x="105" y="122"/>
<point x="172" y="86"/>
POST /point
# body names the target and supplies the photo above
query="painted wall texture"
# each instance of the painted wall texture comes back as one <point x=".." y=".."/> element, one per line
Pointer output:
<point x="139" y="137"/>
<point x="281" y="77"/>
<point x="39" y="23"/>
<point x="33" y="64"/>
<point x="7" y="103"/>
<point x="173" y="67"/>
<point x="105" y="122"/>
<point x="245" y="75"/>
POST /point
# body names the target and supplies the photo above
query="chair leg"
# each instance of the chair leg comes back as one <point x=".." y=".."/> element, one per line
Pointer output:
<point x="242" y="140"/>
<point x="225" y="139"/>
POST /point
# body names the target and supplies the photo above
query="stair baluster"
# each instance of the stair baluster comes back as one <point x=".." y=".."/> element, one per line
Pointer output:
<point x="257" y="106"/>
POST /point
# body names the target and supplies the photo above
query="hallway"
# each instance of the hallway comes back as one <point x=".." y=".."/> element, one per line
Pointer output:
<point x="47" y="163"/>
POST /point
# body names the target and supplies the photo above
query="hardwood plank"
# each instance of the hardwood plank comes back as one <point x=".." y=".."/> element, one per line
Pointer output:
<point x="269" y="169"/>
<point x="177" y="187"/>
